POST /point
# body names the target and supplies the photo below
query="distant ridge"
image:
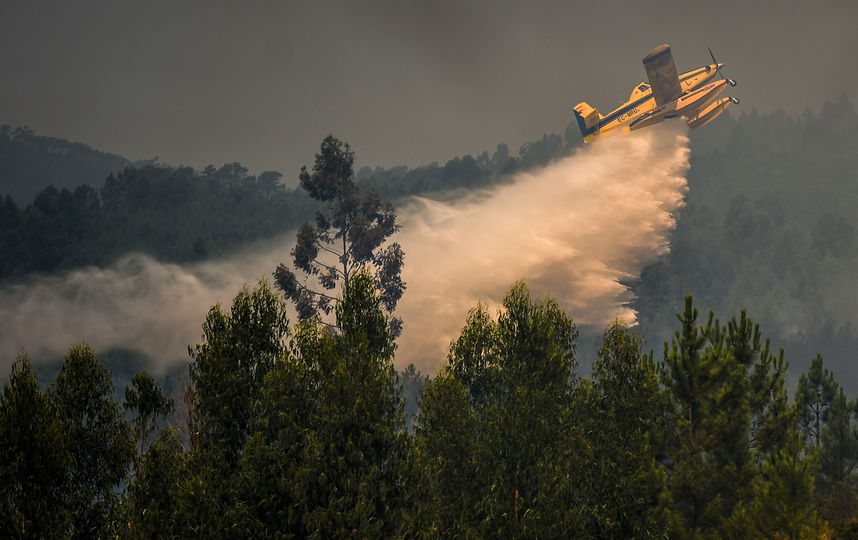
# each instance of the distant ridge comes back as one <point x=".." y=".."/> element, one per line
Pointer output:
<point x="29" y="163"/>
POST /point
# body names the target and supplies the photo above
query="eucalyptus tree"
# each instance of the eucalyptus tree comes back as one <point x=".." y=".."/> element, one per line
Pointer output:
<point x="352" y="231"/>
<point x="623" y="485"/>
<point x="99" y="444"/>
<point x="328" y="443"/>
<point x="33" y="467"/>
<point x="506" y="392"/>
<point x="150" y="484"/>
<point x="240" y="347"/>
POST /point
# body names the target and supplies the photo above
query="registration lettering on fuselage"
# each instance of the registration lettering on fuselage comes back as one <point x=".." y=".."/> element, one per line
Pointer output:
<point x="625" y="116"/>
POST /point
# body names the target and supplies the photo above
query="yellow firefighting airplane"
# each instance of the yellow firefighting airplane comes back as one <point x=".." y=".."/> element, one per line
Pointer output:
<point x="667" y="95"/>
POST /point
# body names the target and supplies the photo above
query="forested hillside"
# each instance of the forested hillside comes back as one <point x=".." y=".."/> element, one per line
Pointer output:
<point x="178" y="214"/>
<point x="29" y="163"/>
<point x="770" y="225"/>
<point x="175" y="214"/>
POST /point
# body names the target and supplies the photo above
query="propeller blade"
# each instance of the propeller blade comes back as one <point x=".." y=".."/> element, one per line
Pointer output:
<point x="731" y="82"/>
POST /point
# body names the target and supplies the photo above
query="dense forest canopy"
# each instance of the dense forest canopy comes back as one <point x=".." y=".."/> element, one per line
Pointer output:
<point x="300" y="430"/>
<point x="769" y="225"/>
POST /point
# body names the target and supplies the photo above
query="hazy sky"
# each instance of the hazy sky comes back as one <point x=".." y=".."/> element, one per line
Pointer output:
<point x="405" y="82"/>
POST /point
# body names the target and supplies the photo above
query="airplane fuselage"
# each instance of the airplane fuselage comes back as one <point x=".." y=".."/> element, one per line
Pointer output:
<point x="641" y="101"/>
<point x="667" y="94"/>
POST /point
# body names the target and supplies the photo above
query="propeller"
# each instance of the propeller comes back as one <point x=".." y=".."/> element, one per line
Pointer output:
<point x="735" y="100"/>
<point x="731" y="82"/>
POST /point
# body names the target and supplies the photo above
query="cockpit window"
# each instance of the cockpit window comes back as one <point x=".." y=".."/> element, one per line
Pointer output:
<point x="644" y="87"/>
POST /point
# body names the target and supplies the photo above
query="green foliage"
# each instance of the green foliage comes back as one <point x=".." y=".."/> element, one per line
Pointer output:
<point x="442" y="495"/>
<point x="327" y="451"/>
<point x="152" y="498"/>
<point x="826" y="419"/>
<point x="783" y="496"/>
<point x="769" y="224"/>
<point x="359" y="437"/>
<point x="33" y="442"/>
<point x="145" y="398"/>
<point x="155" y="466"/>
<point x="303" y="434"/>
<point x="268" y="498"/>
<point x="102" y="206"/>
<point x="622" y="488"/>
<point x="175" y="214"/>
<point x="518" y="374"/>
<point x="227" y="370"/>
<point x="814" y="396"/>
<point x="728" y="412"/>
<point x="468" y="172"/>
<point x="839" y="448"/>
<point x="102" y="448"/>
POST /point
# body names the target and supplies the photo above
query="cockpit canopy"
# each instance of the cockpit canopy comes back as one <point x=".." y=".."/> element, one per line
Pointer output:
<point x="639" y="91"/>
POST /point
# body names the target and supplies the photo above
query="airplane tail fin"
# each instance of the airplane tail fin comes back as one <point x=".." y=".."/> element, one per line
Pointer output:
<point x="588" y="118"/>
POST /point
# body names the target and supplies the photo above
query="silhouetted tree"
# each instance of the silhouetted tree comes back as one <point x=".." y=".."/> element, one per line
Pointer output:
<point x="350" y="234"/>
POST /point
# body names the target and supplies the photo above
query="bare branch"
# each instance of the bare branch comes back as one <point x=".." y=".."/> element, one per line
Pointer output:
<point x="329" y="250"/>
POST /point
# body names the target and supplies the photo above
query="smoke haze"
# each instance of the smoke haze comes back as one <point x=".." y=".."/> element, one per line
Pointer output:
<point x="572" y="230"/>
<point x="138" y="303"/>
<point x="406" y="83"/>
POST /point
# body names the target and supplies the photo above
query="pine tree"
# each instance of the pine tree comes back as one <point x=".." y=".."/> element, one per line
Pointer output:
<point x="783" y="504"/>
<point x="771" y="415"/>
<point x="839" y="441"/>
<point x="710" y="420"/>
<point x="816" y="391"/>
<point x="838" y="457"/>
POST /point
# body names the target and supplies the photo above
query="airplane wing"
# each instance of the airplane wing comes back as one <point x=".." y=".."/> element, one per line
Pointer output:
<point x="662" y="75"/>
